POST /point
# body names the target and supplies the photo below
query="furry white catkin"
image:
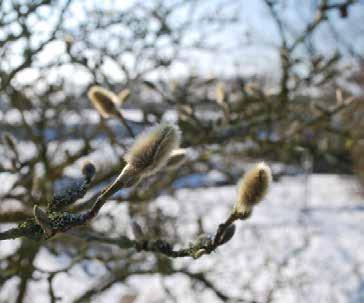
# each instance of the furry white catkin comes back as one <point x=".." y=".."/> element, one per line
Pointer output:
<point x="253" y="187"/>
<point x="152" y="148"/>
<point x="103" y="100"/>
<point x="149" y="153"/>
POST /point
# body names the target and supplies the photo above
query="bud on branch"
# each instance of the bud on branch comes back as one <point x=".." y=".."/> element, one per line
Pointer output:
<point x="105" y="103"/>
<point x="152" y="149"/>
<point x="252" y="188"/>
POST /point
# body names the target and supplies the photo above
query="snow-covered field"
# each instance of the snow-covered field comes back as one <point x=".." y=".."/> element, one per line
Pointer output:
<point x="304" y="243"/>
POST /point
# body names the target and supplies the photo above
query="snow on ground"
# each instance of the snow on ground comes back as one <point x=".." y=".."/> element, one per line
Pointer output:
<point x="304" y="243"/>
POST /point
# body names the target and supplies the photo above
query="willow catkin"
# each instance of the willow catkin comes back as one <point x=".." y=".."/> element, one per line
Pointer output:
<point x="103" y="100"/>
<point x="149" y="153"/>
<point x="152" y="148"/>
<point x="253" y="187"/>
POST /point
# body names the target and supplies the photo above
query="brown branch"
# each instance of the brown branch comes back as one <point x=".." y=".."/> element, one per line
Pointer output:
<point x="202" y="246"/>
<point x="15" y="216"/>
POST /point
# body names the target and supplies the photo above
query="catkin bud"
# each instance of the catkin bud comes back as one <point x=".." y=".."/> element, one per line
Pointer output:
<point x="199" y="253"/>
<point x="103" y="100"/>
<point x="227" y="235"/>
<point x="88" y="170"/>
<point x="43" y="220"/>
<point x="252" y="188"/>
<point x="177" y="158"/>
<point x="152" y="148"/>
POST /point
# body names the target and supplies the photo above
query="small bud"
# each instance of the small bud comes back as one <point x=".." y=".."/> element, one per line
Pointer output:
<point x="68" y="40"/>
<point x="204" y="240"/>
<point x="137" y="230"/>
<point x="103" y="100"/>
<point x="177" y="158"/>
<point x="152" y="148"/>
<point x="88" y="170"/>
<point x="43" y="220"/>
<point x="227" y="235"/>
<point x="199" y="253"/>
<point x="252" y="188"/>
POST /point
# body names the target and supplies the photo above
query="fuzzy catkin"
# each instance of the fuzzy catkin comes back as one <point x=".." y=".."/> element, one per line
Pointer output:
<point x="103" y="100"/>
<point x="253" y="187"/>
<point x="152" y="148"/>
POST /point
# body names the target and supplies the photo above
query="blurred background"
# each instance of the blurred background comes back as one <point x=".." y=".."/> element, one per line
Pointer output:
<point x="274" y="80"/>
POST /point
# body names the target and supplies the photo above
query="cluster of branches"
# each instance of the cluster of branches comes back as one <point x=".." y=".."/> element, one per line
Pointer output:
<point x="138" y="41"/>
<point x="152" y="150"/>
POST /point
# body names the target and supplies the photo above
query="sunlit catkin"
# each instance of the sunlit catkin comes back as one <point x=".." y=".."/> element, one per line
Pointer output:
<point x="152" y="148"/>
<point x="103" y="100"/>
<point x="252" y="188"/>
